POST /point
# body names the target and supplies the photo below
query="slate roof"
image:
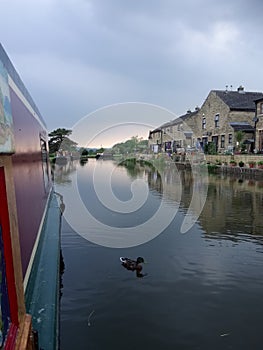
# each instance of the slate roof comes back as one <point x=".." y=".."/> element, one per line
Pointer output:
<point x="243" y="126"/>
<point x="259" y="99"/>
<point x="175" y="121"/>
<point x="238" y="101"/>
<point x="188" y="114"/>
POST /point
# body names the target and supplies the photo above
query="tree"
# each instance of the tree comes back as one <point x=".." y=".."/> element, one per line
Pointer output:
<point x="133" y="145"/>
<point x="211" y="149"/>
<point x="100" y="150"/>
<point x="83" y="152"/>
<point x="91" y="151"/>
<point x="59" y="140"/>
<point x="239" y="136"/>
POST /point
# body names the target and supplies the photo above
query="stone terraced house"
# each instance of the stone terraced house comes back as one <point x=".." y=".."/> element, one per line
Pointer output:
<point x="175" y="135"/>
<point x="222" y="114"/>
<point x="259" y="125"/>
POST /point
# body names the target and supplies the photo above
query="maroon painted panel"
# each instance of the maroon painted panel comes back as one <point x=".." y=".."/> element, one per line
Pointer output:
<point x="8" y="255"/>
<point x="30" y="187"/>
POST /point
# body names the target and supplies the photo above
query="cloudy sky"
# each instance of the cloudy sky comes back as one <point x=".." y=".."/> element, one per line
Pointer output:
<point x="80" y="56"/>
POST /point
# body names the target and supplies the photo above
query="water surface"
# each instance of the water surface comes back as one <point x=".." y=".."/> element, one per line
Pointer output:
<point x="203" y="289"/>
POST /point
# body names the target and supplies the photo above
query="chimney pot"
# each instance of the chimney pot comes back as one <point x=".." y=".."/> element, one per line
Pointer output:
<point x="240" y="89"/>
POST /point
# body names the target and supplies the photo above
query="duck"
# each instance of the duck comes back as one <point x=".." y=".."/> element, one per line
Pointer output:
<point x="132" y="264"/>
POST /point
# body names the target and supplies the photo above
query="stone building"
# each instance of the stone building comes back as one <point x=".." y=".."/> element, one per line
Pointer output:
<point x="221" y="116"/>
<point x="259" y="125"/>
<point x="173" y="136"/>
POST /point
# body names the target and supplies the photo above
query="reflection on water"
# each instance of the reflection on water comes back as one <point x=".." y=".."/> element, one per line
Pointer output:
<point x="233" y="206"/>
<point x="62" y="173"/>
<point x="203" y="289"/>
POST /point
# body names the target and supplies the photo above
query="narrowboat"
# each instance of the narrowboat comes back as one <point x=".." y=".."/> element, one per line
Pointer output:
<point x="30" y="219"/>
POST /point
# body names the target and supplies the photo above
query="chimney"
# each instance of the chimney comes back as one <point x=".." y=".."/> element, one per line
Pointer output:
<point x="241" y="89"/>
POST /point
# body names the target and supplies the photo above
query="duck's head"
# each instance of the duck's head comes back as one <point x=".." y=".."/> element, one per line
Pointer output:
<point x="140" y="260"/>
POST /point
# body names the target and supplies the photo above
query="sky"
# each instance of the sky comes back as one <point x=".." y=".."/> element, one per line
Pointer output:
<point x="87" y="63"/>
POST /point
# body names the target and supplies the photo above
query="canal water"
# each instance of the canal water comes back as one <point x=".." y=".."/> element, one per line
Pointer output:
<point x="202" y="289"/>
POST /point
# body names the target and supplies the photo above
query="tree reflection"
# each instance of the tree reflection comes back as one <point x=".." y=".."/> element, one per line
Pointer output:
<point x="61" y="173"/>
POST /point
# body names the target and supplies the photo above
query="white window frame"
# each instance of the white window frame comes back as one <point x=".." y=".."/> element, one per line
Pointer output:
<point x="204" y="123"/>
<point x="216" y="120"/>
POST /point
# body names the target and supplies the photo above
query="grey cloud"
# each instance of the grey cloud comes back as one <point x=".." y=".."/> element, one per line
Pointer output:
<point x="83" y="55"/>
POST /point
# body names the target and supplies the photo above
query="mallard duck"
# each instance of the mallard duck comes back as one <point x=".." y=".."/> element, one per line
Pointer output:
<point x="132" y="264"/>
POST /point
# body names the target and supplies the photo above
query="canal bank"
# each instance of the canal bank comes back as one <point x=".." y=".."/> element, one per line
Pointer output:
<point x="247" y="159"/>
<point x="244" y="165"/>
<point x="238" y="164"/>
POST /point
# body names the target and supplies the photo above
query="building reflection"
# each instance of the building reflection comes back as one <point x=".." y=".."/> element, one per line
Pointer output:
<point x="61" y="174"/>
<point x="233" y="206"/>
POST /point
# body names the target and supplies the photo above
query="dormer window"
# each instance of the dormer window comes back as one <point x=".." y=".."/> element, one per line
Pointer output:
<point x="217" y="120"/>
<point x="203" y="123"/>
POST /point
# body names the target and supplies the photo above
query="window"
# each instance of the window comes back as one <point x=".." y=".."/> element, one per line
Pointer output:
<point x="230" y="139"/>
<point x="222" y="141"/>
<point x="217" y="120"/>
<point x="203" y="123"/>
<point x="261" y="108"/>
<point x="180" y="127"/>
<point x="168" y="146"/>
<point x="204" y="142"/>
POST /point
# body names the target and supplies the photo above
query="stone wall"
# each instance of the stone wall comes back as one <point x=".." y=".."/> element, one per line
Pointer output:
<point x="237" y="157"/>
